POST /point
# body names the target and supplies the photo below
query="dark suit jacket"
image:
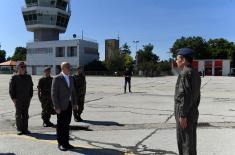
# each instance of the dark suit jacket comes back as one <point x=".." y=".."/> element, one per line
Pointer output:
<point x="60" y="92"/>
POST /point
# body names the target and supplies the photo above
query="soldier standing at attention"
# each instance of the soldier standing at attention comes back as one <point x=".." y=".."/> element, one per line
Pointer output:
<point x="187" y="99"/>
<point x="80" y="87"/>
<point x="44" y="95"/>
<point x="21" y="92"/>
<point x="127" y="75"/>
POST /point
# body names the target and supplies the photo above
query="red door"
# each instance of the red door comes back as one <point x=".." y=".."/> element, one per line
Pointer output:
<point x="218" y="67"/>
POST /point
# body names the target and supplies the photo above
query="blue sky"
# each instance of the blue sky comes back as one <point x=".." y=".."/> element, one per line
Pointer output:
<point x="159" y="22"/>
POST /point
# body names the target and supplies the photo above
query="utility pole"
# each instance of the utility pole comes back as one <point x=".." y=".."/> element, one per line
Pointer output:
<point x="136" y="48"/>
<point x="136" y="54"/>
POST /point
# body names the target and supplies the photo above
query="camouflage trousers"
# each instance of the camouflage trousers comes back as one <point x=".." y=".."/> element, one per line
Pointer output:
<point x="47" y="110"/>
<point x="22" y="115"/>
<point x="81" y="101"/>
<point x="187" y="138"/>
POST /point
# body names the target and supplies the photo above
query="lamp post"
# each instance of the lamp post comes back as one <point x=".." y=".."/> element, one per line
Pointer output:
<point x="136" y="54"/>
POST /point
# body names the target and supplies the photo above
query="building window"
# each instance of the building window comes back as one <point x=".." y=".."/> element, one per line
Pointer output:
<point x="32" y="51"/>
<point x="31" y="3"/>
<point x="61" y="4"/>
<point x="60" y="52"/>
<point x="72" y="51"/>
<point x="62" y="20"/>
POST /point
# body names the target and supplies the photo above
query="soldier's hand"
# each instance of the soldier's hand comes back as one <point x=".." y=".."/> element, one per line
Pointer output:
<point x="75" y="107"/>
<point x="14" y="101"/>
<point x="58" y="111"/>
<point x="183" y="122"/>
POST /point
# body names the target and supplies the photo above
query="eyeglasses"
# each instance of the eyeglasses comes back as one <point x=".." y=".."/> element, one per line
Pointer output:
<point x="22" y="66"/>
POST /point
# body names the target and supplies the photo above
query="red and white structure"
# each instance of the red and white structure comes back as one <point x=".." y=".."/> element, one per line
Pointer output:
<point x="211" y="67"/>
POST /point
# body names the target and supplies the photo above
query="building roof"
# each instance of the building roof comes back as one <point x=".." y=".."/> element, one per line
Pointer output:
<point x="8" y="63"/>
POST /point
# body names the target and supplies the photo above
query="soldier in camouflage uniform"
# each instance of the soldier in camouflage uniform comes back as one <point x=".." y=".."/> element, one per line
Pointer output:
<point x="187" y="99"/>
<point x="21" y="92"/>
<point x="80" y="87"/>
<point x="44" y="95"/>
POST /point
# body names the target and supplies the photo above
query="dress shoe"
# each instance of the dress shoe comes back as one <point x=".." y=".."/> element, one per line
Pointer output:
<point x="62" y="148"/>
<point x="69" y="146"/>
<point x="26" y="132"/>
<point x="78" y="119"/>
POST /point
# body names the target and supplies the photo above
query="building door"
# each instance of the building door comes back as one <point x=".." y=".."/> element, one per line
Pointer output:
<point x="218" y="67"/>
<point x="208" y="68"/>
<point x="34" y="70"/>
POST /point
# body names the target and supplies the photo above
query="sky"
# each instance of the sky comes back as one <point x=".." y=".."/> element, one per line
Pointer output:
<point x="159" y="22"/>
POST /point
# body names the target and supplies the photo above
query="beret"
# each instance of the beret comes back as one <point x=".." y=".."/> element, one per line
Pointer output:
<point x="185" y="52"/>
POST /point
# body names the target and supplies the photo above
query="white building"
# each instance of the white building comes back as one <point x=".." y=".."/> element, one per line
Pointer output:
<point x="47" y="19"/>
<point x="52" y="53"/>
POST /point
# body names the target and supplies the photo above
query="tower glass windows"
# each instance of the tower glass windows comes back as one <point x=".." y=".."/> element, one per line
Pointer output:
<point x="31" y="3"/>
<point x="61" y="4"/>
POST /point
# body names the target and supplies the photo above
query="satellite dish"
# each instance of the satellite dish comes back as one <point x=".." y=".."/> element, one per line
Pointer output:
<point x="74" y="36"/>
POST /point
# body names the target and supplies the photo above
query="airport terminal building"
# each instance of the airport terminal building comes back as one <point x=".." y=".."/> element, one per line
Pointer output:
<point x="47" y="19"/>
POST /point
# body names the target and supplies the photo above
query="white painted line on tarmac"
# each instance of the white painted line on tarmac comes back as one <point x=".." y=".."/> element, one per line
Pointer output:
<point x="25" y="137"/>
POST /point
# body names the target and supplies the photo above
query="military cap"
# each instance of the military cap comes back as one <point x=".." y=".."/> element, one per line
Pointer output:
<point x="78" y="67"/>
<point x="185" y="52"/>
<point x="21" y="64"/>
<point x="47" y="68"/>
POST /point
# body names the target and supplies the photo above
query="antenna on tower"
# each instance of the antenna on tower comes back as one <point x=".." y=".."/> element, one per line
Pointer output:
<point x="118" y="37"/>
<point x="69" y="6"/>
<point x="82" y="34"/>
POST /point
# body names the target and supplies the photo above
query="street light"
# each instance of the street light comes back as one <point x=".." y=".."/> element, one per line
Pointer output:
<point x="136" y="54"/>
<point x="136" y="44"/>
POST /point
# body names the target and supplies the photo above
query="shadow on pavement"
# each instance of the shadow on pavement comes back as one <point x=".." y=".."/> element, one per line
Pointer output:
<point x="103" y="123"/>
<point x="80" y="127"/>
<point x="97" y="151"/>
<point x="43" y="136"/>
<point x="7" y="154"/>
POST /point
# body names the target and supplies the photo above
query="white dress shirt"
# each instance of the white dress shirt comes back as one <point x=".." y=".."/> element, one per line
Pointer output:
<point x="66" y="79"/>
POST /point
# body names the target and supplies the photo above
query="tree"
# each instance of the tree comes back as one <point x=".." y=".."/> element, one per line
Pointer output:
<point x="95" y="66"/>
<point x="2" y="56"/>
<point x="221" y="48"/>
<point x="147" y="60"/>
<point x="116" y="62"/>
<point x="198" y="44"/>
<point x="19" y="54"/>
<point x="164" y="66"/>
<point x="128" y="61"/>
<point x="8" y="58"/>
<point x="125" y="49"/>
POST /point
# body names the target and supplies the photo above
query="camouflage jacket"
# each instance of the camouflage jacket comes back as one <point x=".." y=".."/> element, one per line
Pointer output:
<point x="21" y="87"/>
<point x="80" y="84"/>
<point x="44" y="88"/>
<point x="187" y="93"/>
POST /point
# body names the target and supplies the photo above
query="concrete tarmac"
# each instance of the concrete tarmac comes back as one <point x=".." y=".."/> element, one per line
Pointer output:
<point x="140" y="122"/>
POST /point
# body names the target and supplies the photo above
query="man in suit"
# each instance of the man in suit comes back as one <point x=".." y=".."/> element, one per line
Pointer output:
<point x="64" y="99"/>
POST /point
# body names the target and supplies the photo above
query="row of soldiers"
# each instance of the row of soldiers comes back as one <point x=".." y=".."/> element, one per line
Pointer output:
<point x="21" y="93"/>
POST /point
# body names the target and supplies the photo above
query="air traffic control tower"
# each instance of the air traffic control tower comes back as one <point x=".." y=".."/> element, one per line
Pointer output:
<point x="47" y="19"/>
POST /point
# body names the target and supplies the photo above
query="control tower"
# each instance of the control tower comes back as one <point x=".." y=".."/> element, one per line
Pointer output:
<point x="46" y="18"/>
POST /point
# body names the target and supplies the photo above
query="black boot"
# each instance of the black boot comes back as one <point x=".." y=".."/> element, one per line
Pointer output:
<point x="48" y="124"/>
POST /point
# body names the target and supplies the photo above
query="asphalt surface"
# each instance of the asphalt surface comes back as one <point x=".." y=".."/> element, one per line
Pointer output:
<point x="115" y="123"/>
